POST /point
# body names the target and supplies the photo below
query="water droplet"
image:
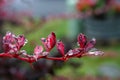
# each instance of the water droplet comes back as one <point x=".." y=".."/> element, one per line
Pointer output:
<point x="95" y="52"/>
<point x="23" y="52"/>
<point x="45" y="53"/>
<point x="26" y="41"/>
<point x="70" y="53"/>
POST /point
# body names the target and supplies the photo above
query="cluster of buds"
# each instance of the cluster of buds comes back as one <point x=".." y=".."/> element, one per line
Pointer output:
<point x="12" y="45"/>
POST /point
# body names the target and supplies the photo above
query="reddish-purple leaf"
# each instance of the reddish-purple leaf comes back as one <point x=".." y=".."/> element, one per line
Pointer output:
<point x="74" y="53"/>
<point x="37" y="51"/>
<point x="21" y="41"/>
<point x="12" y="43"/>
<point x="60" y="47"/>
<point x="6" y="48"/>
<point x="90" y="44"/>
<point x="82" y="40"/>
<point x="94" y="52"/>
<point x="49" y="42"/>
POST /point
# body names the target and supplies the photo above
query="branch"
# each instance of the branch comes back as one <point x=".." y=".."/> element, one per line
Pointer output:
<point x="12" y="45"/>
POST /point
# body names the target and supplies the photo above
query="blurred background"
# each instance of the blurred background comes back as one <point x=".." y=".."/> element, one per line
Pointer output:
<point x="37" y="18"/>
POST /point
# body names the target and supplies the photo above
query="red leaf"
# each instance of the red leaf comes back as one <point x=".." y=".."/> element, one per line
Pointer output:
<point x="94" y="52"/>
<point x="49" y="42"/>
<point x="74" y="53"/>
<point x="21" y="41"/>
<point x="82" y="40"/>
<point x="60" y="47"/>
<point x="90" y="44"/>
<point x="12" y="43"/>
<point x="38" y="50"/>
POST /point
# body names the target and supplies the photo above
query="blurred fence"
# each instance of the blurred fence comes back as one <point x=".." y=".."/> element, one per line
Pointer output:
<point x="103" y="29"/>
